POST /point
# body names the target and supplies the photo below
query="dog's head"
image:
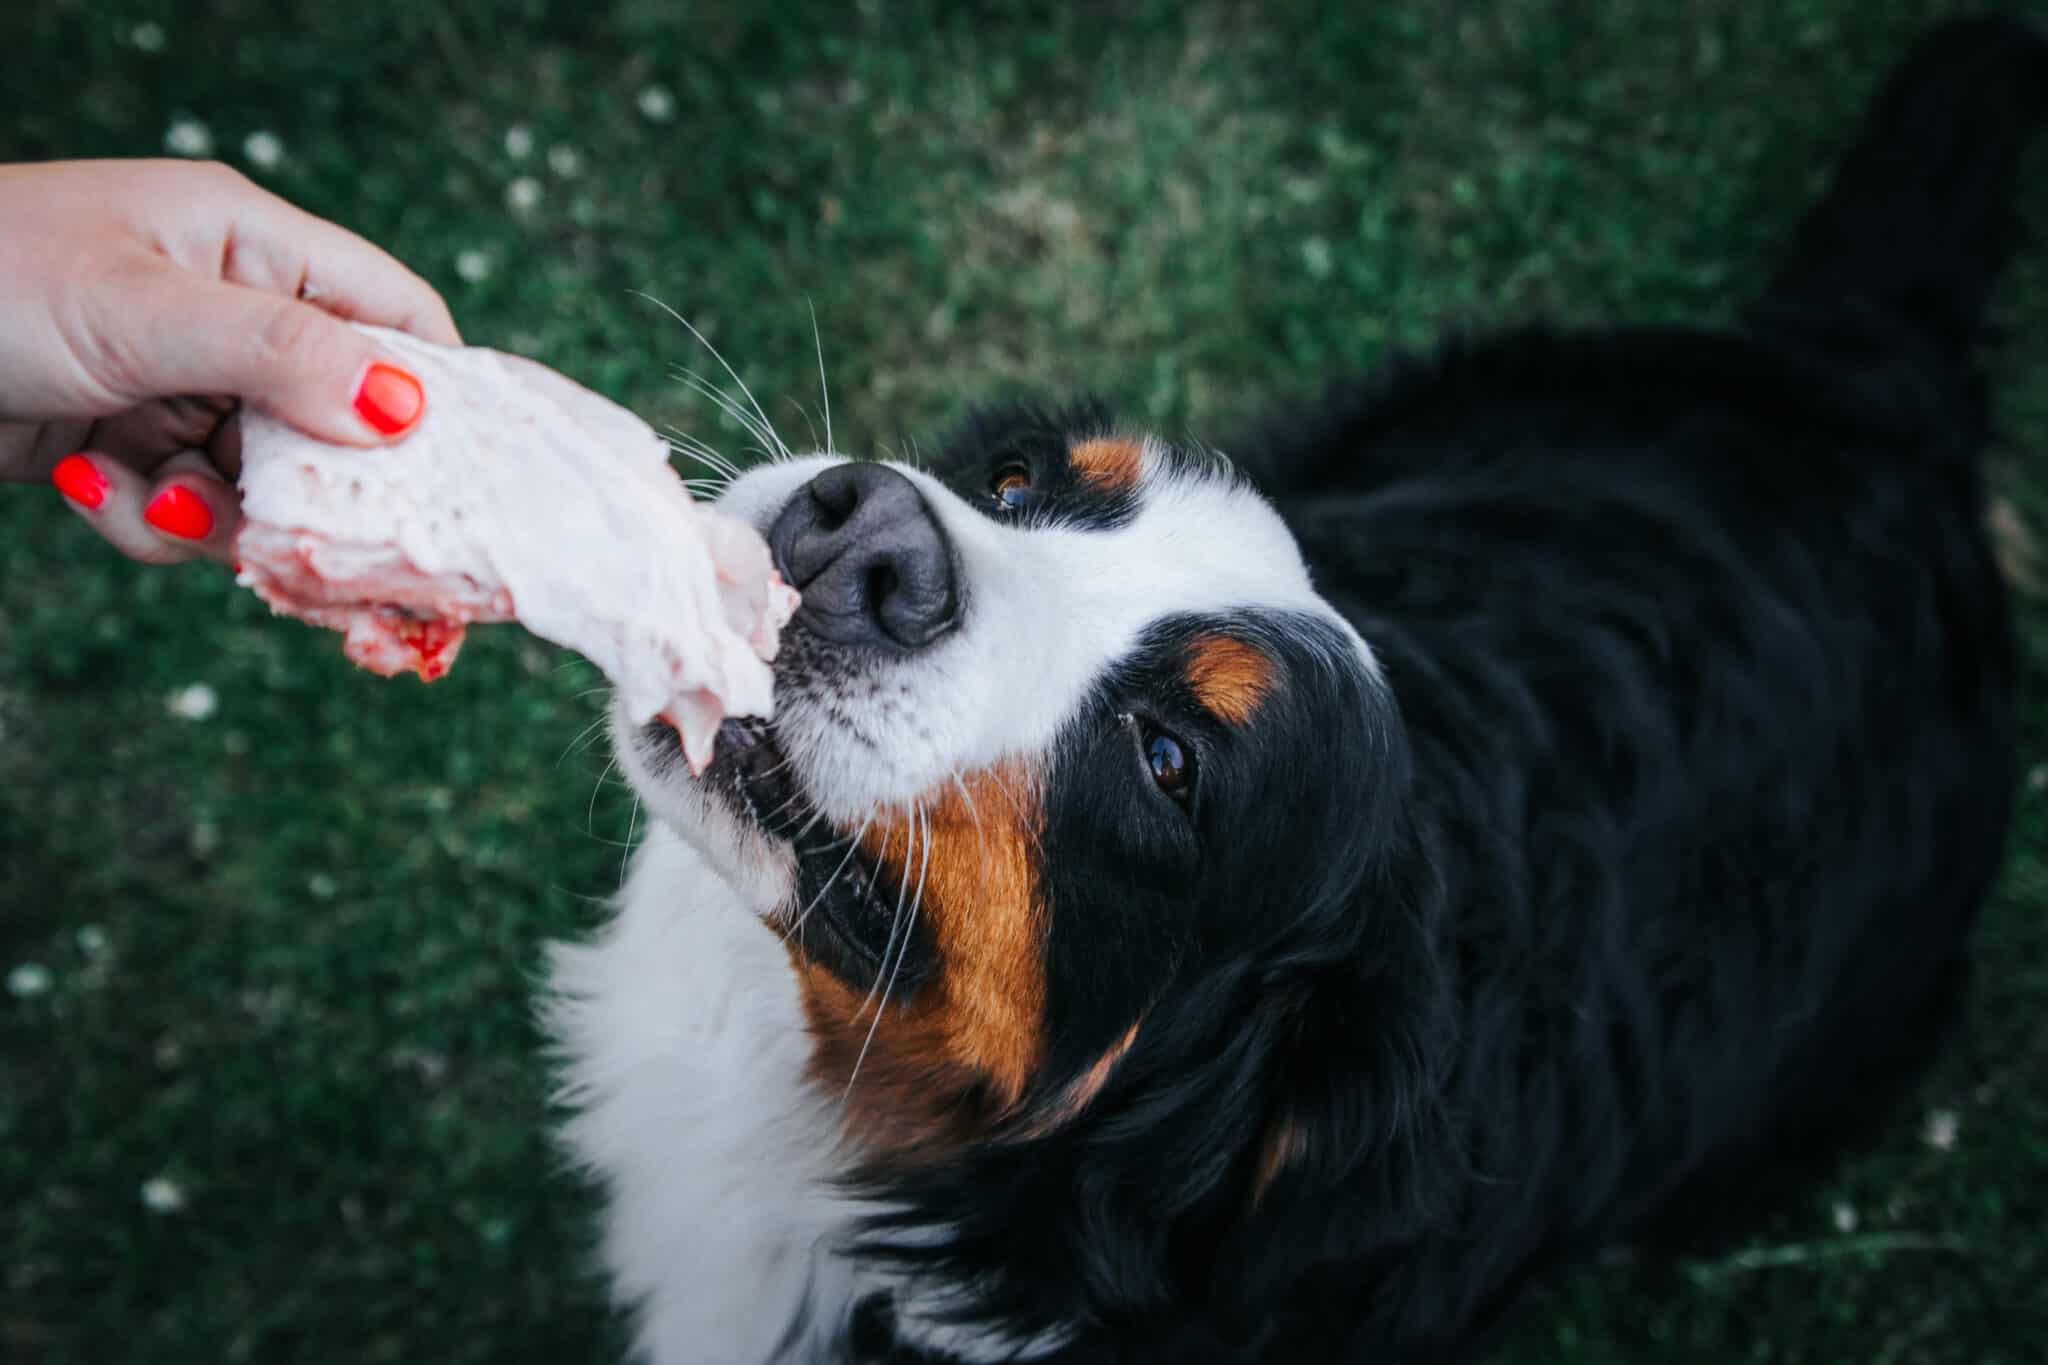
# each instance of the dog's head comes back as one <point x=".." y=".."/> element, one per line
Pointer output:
<point x="1073" y="773"/>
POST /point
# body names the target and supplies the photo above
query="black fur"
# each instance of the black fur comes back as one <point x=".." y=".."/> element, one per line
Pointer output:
<point x="1651" y="867"/>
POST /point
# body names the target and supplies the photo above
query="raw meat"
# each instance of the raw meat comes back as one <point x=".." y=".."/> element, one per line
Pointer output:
<point x="520" y="497"/>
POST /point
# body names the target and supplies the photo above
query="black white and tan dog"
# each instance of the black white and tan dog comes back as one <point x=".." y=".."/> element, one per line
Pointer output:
<point x="1277" y="908"/>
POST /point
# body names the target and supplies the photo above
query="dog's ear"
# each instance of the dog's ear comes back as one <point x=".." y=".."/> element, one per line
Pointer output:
<point x="1357" y="1152"/>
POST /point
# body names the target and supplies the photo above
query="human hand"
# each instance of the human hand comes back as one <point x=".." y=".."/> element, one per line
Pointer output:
<point x="142" y="303"/>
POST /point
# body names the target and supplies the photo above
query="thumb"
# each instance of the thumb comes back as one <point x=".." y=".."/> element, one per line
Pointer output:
<point x="279" y="355"/>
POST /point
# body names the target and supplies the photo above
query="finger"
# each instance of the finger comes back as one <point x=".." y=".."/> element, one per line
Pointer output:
<point x="281" y="248"/>
<point x="148" y="434"/>
<point x="190" y="507"/>
<point x="183" y="334"/>
<point x="111" y="498"/>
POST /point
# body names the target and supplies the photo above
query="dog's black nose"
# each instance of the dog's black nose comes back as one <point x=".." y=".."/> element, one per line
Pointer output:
<point x="869" y="558"/>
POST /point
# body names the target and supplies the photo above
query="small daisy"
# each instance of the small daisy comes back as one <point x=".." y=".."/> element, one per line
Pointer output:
<point x="1845" y="1218"/>
<point x="657" y="104"/>
<point x="473" y="266"/>
<point x="161" y="1194"/>
<point x="564" y="160"/>
<point x="91" y="940"/>
<point x="148" y="36"/>
<point x="523" y="194"/>
<point x="263" y="149"/>
<point x="188" y="137"/>
<point x="2037" y="777"/>
<point x="519" y="142"/>
<point x="1317" y="257"/>
<point x="197" y="702"/>
<point x="321" y="886"/>
<point x="1941" y="1129"/>
<point x="28" y="981"/>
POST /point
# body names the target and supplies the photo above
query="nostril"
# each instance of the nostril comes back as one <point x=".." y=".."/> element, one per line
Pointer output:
<point x="881" y="582"/>
<point x="837" y="497"/>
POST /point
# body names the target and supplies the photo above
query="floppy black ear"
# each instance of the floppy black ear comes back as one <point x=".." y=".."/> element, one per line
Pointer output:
<point x="1357" y="1153"/>
<point x="1277" y="1124"/>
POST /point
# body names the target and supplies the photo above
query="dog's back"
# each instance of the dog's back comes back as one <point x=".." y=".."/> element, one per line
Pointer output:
<point x="1709" y="675"/>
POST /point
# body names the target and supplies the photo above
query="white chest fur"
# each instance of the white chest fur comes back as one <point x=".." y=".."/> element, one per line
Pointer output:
<point x="682" y="1052"/>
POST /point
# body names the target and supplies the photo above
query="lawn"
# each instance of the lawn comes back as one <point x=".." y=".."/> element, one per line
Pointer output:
<point x="269" y="1089"/>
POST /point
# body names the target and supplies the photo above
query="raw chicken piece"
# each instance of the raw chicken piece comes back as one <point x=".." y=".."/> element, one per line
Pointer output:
<point x="520" y="497"/>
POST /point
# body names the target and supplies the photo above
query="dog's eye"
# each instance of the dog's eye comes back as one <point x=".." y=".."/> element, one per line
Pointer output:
<point x="1011" y="486"/>
<point x="1173" y="767"/>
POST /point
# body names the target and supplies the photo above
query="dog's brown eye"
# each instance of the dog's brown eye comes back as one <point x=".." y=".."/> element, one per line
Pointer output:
<point x="1172" y="767"/>
<point x="1012" y="485"/>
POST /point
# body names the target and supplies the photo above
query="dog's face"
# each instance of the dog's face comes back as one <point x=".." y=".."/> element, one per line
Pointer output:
<point x="1061" y="721"/>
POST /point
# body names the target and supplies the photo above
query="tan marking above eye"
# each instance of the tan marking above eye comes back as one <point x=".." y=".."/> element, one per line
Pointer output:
<point x="1229" y="677"/>
<point x="1108" y="464"/>
<point x="962" y="1051"/>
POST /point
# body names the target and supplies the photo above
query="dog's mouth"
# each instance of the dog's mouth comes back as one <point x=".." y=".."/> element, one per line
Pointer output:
<point x="841" y="889"/>
<point x="752" y="773"/>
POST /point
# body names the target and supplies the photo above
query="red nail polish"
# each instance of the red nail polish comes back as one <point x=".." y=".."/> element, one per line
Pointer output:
<point x="179" y="512"/>
<point x="389" y="399"/>
<point x="79" y="480"/>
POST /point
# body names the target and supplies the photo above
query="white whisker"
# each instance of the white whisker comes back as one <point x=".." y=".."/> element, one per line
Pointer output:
<point x="901" y="953"/>
<point x="582" y="735"/>
<point x="590" y="812"/>
<point x="824" y="393"/>
<point x="715" y="355"/>
<point x="853" y="846"/>
<point x="626" y="853"/>
<point x="765" y="441"/>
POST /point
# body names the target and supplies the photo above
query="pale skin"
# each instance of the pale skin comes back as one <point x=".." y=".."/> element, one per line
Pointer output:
<point x="143" y="304"/>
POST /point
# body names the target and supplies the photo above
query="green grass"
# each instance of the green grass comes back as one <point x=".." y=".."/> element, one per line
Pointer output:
<point x="291" y="946"/>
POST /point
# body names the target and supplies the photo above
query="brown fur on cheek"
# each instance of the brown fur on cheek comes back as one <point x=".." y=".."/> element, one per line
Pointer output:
<point x="945" y="1064"/>
<point x="1108" y="464"/>
<point x="1229" y="677"/>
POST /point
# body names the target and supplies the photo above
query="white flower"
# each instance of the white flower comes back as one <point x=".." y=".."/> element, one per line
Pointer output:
<point x="1845" y="1218"/>
<point x="28" y="981"/>
<point x="2037" y="777"/>
<point x="473" y="266"/>
<point x="1941" y="1129"/>
<point x="91" y="940"/>
<point x="197" y="702"/>
<point x="519" y="142"/>
<point x="564" y="160"/>
<point x="161" y="1194"/>
<point x="523" y="194"/>
<point x="1317" y="257"/>
<point x="148" y="36"/>
<point x="188" y="137"/>
<point x="321" y="886"/>
<point x="657" y="104"/>
<point x="263" y="149"/>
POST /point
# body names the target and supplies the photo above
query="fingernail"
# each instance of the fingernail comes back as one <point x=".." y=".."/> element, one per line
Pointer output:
<point x="79" y="480"/>
<point x="389" y="399"/>
<point x="179" y="512"/>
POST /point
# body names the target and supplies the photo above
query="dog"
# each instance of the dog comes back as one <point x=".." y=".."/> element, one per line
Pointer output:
<point x="1277" y="905"/>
